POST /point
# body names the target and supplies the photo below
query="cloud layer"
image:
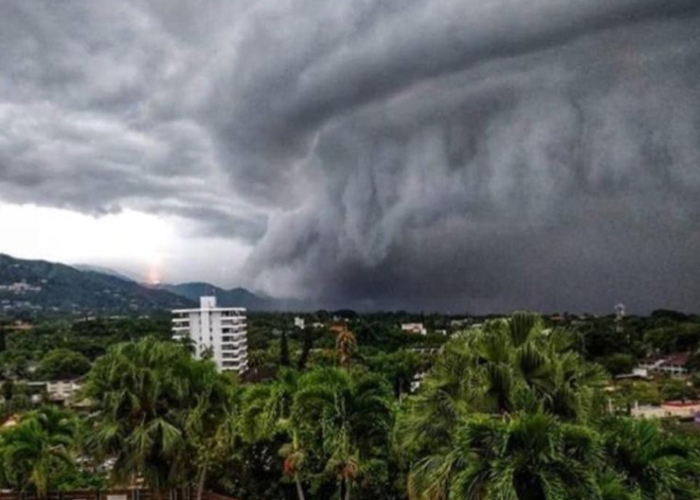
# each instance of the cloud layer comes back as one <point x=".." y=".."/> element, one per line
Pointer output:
<point x="378" y="154"/>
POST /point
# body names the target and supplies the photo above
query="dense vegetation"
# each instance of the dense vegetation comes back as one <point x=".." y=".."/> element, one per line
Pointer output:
<point x="510" y="409"/>
<point x="47" y="288"/>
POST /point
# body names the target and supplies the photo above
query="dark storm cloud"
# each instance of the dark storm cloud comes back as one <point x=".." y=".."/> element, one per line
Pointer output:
<point x="93" y="117"/>
<point x="446" y="154"/>
<point x="562" y="177"/>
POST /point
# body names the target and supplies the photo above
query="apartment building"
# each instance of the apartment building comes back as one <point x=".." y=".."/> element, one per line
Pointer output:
<point x="218" y="332"/>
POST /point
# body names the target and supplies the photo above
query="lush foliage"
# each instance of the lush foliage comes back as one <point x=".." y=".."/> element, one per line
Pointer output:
<point x="160" y="413"/>
<point x="36" y="452"/>
<point x="512" y="409"/>
<point x="62" y="363"/>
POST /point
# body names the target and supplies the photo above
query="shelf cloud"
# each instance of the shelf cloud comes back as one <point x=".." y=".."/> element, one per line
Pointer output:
<point x="453" y="155"/>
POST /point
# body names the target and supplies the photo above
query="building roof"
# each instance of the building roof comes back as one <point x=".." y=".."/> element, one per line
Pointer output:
<point x="214" y="309"/>
<point x="682" y="404"/>
<point x="678" y="358"/>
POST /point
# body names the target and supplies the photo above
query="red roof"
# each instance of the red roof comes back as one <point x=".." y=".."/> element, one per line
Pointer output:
<point x="678" y="359"/>
<point x="681" y="404"/>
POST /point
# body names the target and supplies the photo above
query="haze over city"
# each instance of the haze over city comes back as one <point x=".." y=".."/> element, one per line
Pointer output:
<point x="375" y="154"/>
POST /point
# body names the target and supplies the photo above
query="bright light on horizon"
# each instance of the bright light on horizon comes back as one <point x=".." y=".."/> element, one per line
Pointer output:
<point x="131" y="241"/>
<point x="31" y="231"/>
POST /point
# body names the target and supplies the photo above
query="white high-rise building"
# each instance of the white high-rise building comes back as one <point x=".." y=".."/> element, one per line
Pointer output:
<point x="217" y="331"/>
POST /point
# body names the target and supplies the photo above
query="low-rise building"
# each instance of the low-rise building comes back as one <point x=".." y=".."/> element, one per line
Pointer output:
<point x="414" y="328"/>
<point x="299" y="322"/>
<point x="637" y="373"/>
<point x="672" y="364"/>
<point x="670" y="409"/>
<point x="20" y="287"/>
<point x="61" y="392"/>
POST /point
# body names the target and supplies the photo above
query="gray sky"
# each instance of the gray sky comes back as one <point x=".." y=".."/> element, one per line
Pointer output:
<point x="443" y="154"/>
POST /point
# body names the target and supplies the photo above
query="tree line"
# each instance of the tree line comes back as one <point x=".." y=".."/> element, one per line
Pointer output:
<point x="510" y="410"/>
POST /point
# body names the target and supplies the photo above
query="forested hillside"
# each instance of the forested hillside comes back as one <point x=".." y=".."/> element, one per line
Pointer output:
<point x="45" y="287"/>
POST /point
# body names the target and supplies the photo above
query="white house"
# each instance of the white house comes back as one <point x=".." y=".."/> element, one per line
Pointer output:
<point x="299" y="322"/>
<point x="673" y="364"/>
<point x="216" y="331"/>
<point x="678" y="409"/>
<point x="414" y="328"/>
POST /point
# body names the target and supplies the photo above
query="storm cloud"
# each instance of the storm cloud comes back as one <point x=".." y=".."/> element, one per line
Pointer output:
<point x="449" y="154"/>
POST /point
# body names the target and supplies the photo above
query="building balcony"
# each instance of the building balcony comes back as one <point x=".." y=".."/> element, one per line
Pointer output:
<point x="233" y="327"/>
<point x="232" y="336"/>
<point x="234" y="352"/>
<point x="231" y="324"/>
<point x="237" y="360"/>
<point x="233" y="344"/>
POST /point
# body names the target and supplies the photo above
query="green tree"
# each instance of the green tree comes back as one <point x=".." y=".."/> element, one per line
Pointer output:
<point x="309" y="336"/>
<point x="350" y="416"/>
<point x="284" y="350"/>
<point x="268" y="410"/>
<point x="619" y="363"/>
<point x="506" y="366"/>
<point x="653" y="464"/>
<point x="8" y="389"/>
<point x="630" y="392"/>
<point x="519" y="388"/>
<point x="523" y="457"/>
<point x="61" y="363"/>
<point x="156" y="409"/>
<point x="3" y="335"/>
<point x="674" y="389"/>
<point x="211" y="425"/>
<point x="37" y="450"/>
<point x="399" y="367"/>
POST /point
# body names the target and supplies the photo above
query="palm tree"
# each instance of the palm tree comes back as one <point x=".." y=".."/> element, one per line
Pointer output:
<point x="505" y="367"/>
<point x="211" y="425"/>
<point x="350" y="415"/>
<point x="652" y="463"/>
<point x="34" y="451"/>
<point x="344" y="463"/>
<point x="268" y="411"/>
<point x="345" y="343"/>
<point x="519" y="457"/>
<point x="154" y="404"/>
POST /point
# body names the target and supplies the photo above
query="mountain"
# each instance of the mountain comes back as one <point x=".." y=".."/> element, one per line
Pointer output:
<point x="42" y="286"/>
<point x="104" y="270"/>
<point x="236" y="297"/>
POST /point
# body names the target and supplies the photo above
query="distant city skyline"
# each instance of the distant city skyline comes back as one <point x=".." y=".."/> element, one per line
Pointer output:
<point x="387" y="154"/>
